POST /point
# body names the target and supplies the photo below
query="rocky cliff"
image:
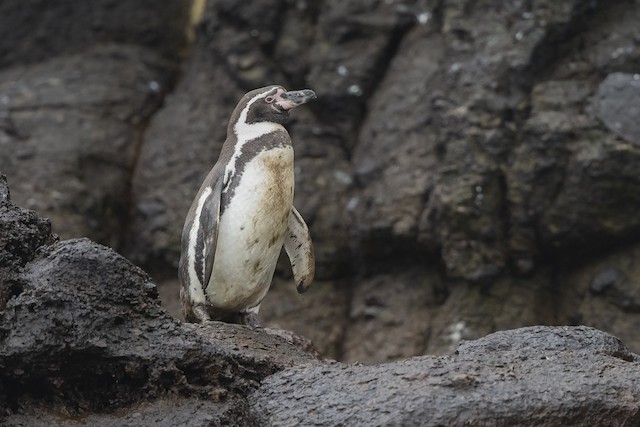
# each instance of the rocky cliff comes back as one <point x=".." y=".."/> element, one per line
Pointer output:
<point x="469" y="166"/>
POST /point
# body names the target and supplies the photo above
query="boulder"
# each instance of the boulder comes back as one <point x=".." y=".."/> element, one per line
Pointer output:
<point x="537" y="376"/>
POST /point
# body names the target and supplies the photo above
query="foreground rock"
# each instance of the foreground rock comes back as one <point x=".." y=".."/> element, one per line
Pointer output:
<point x="537" y="376"/>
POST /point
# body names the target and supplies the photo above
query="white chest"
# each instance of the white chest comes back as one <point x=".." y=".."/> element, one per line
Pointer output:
<point x="251" y="231"/>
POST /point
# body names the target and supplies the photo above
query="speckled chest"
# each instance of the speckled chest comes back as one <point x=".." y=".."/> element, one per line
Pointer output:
<point x="263" y="187"/>
<point x="256" y="203"/>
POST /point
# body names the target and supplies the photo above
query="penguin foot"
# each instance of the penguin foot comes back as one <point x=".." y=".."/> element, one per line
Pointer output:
<point x="250" y="319"/>
<point x="197" y="314"/>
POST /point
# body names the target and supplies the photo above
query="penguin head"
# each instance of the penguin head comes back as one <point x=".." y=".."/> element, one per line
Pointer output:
<point x="271" y="104"/>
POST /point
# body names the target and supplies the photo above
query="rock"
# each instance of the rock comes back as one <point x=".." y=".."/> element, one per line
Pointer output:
<point x="87" y="316"/>
<point x="472" y="311"/>
<point x="588" y="377"/>
<point x="21" y="233"/>
<point x="605" y="280"/>
<point x="168" y="412"/>
<point x="5" y="195"/>
<point x="617" y="104"/>
<point x="77" y="121"/>
<point x="321" y="314"/>
<point x="605" y="294"/>
<point x="377" y="331"/>
<point x="557" y="184"/>
<point x="349" y="54"/>
<point x="32" y="33"/>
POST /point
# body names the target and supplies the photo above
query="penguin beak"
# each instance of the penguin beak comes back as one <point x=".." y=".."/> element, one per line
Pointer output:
<point x="294" y="98"/>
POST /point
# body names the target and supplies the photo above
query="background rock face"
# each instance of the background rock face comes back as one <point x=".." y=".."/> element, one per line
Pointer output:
<point x="468" y="166"/>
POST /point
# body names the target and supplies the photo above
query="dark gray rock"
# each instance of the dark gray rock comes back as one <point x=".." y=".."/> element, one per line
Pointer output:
<point x="564" y="191"/>
<point x="5" y="194"/>
<point x="320" y="314"/>
<point x="167" y="412"/>
<point x="376" y="332"/>
<point x="78" y="120"/>
<point x="618" y="104"/>
<point x="88" y="330"/>
<point x="352" y="47"/>
<point x="33" y="30"/>
<point x="537" y="376"/>
<point x="539" y="340"/>
<point x="21" y="233"/>
<point x="605" y="293"/>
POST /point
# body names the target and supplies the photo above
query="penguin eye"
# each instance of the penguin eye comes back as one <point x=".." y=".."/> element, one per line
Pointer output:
<point x="269" y="99"/>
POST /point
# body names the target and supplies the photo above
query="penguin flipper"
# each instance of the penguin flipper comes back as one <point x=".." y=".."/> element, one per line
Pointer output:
<point x="199" y="241"/>
<point x="297" y="243"/>
<point x="208" y="230"/>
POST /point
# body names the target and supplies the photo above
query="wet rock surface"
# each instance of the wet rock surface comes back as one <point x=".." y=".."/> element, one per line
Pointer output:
<point x="538" y="376"/>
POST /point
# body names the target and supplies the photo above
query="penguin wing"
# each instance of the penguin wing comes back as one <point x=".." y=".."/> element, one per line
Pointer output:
<point x="199" y="241"/>
<point x="208" y="230"/>
<point x="297" y="243"/>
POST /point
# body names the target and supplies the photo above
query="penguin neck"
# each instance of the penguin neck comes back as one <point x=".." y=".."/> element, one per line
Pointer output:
<point x="243" y="132"/>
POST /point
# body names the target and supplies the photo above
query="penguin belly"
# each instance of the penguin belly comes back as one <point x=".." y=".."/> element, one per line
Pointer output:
<point x="251" y="231"/>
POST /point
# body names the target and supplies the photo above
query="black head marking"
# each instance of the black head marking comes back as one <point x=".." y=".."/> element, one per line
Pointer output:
<point x="270" y="104"/>
<point x="266" y="109"/>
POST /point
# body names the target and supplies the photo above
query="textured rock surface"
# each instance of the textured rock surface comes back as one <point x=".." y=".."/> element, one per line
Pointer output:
<point x="465" y="168"/>
<point x="537" y="376"/>
<point x="33" y="31"/>
<point x="72" y="128"/>
<point x="21" y="233"/>
<point x="618" y="100"/>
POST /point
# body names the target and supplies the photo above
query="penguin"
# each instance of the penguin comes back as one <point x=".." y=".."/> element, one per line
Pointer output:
<point x="243" y="215"/>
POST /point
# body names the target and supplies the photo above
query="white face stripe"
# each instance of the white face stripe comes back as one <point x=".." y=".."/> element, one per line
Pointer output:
<point x="197" y="288"/>
<point x="246" y="132"/>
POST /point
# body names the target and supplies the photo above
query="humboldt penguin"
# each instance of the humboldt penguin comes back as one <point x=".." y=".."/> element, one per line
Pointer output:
<point x="243" y="214"/>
